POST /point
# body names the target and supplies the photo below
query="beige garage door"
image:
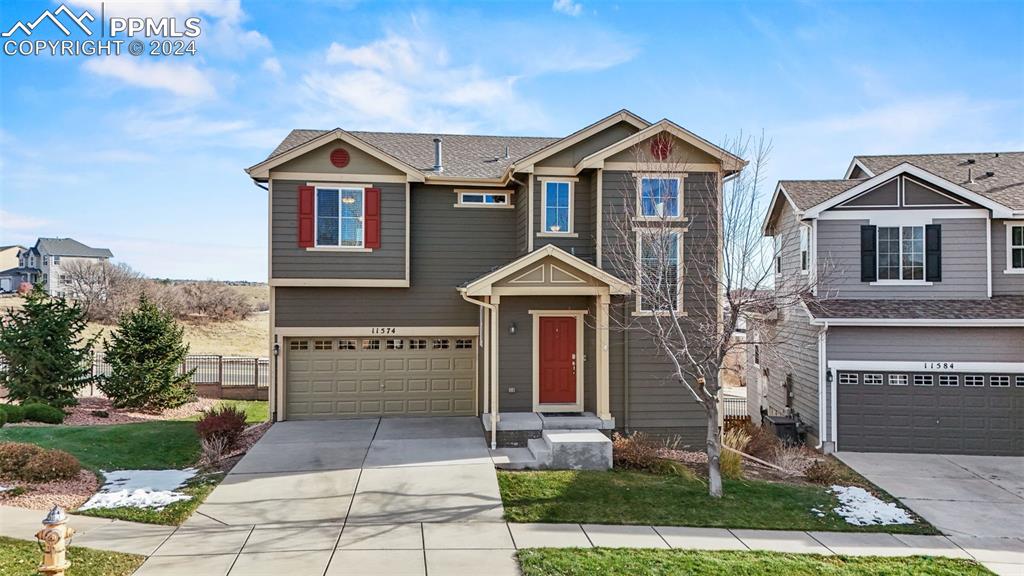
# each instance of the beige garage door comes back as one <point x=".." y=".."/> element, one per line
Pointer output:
<point x="361" y="377"/>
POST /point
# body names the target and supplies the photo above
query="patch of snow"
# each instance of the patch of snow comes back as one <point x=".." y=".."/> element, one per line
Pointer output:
<point x="140" y="489"/>
<point x="4" y="488"/>
<point x="860" y="508"/>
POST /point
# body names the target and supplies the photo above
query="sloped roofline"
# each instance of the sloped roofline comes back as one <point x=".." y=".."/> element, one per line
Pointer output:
<point x="261" y="171"/>
<point x="998" y="210"/>
<point x="730" y="161"/>
<point x="856" y="163"/>
<point x="481" y="286"/>
<point x="780" y="191"/>
<point x="526" y="163"/>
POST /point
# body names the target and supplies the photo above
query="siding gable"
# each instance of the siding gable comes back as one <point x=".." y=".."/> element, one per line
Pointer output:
<point x="573" y="154"/>
<point x="319" y="161"/>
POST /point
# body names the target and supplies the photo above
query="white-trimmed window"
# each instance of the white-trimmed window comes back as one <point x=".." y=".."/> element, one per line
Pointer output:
<point x="418" y="344"/>
<point x="901" y="253"/>
<point x="339" y="217"/>
<point x="658" y="271"/>
<point x="299" y="345"/>
<point x="463" y="344"/>
<point x="949" y="380"/>
<point x="1015" y="248"/>
<point x="974" y="380"/>
<point x="484" y="199"/>
<point x="394" y="344"/>
<point x="441" y="344"/>
<point x="778" y="253"/>
<point x="323" y="344"/>
<point x="849" y="378"/>
<point x="999" y="381"/>
<point x="897" y="380"/>
<point x="346" y="344"/>
<point x="1020" y="381"/>
<point x="660" y="197"/>
<point x="872" y="379"/>
<point x="371" y="344"/>
<point x="805" y="248"/>
<point x="556" y="211"/>
<point x="923" y="379"/>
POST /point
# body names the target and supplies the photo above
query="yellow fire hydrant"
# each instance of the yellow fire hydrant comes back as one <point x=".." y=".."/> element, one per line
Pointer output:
<point x="54" y="539"/>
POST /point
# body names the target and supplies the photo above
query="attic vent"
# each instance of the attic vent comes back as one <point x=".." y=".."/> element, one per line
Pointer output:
<point x="438" y="158"/>
<point x="506" y="152"/>
<point x="989" y="174"/>
<point x="970" y="160"/>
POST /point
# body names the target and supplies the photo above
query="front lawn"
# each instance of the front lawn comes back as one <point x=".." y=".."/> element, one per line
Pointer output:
<point x="20" y="558"/>
<point x="642" y="562"/>
<point x="627" y="497"/>
<point x="198" y="488"/>
<point x="256" y="411"/>
<point x="158" y="445"/>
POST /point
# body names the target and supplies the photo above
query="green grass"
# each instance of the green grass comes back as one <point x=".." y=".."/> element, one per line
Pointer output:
<point x="256" y="411"/>
<point x="626" y="497"/>
<point x="172" y="515"/>
<point x="20" y="558"/>
<point x="144" y="446"/>
<point x="641" y="562"/>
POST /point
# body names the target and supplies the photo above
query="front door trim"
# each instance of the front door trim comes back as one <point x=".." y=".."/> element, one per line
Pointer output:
<point x="580" y="360"/>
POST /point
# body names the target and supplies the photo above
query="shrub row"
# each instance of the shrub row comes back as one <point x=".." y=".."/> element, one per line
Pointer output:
<point x="33" y="412"/>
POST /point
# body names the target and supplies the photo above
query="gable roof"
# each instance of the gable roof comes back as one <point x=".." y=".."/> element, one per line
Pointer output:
<point x="998" y="309"/>
<point x="70" y="247"/>
<point x="481" y="286"/>
<point x="560" y="144"/>
<point x="730" y="161"/>
<point x="807" y="193"/>
<point x="1006" y="185"/>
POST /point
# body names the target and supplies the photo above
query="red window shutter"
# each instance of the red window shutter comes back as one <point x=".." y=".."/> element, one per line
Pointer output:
<point x="306" y="194"/>
<point x="372" y="219"/>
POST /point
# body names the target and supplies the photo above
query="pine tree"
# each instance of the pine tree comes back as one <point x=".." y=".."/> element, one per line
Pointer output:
<point x="48" y="360"/>
<point x="145" y="354"/>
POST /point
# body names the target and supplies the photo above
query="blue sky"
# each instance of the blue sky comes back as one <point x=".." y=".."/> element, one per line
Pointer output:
<point x="144" y="155"/>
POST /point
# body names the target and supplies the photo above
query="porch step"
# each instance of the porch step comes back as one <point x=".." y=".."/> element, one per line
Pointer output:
<point x="513" y="459"/>
<point x="558" y="450"/>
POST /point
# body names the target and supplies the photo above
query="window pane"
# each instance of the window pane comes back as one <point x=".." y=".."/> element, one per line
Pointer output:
<point x="351" y="217"/>
<point x="1018" y="236"/>
<point x="496" y="199"/>
<point x="659" y="261"/>
<point x="556" y="216"/>
<point x="327" y="217"/>
<point x="472" y="198"/>
<point x="659" y="196"/>
<point x="913" y="253"/>
<point x="1018" y="257"/>
<point x="888" y="253"/>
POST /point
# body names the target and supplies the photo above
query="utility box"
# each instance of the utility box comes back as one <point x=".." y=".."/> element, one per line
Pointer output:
<point x="784" y="427"/>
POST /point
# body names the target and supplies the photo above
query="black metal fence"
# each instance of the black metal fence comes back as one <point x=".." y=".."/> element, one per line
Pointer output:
<point x="227" y="371"/>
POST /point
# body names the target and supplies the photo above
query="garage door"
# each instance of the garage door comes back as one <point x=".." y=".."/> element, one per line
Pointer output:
<point x="361" y="377"/>
<point x="951" y="413"/>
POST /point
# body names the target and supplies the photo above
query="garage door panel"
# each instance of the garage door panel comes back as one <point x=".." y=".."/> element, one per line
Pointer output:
<point x="330" y="381"/>
<point x="930" y="419"/>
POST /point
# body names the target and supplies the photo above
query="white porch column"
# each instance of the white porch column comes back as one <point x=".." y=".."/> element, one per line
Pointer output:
<point x="485" y="337"/>
<point x="603" y="394"/>
<point x="495" y="300"/>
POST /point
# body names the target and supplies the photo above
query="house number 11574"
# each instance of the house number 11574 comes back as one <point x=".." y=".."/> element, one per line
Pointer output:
<point x="381" y="331"/>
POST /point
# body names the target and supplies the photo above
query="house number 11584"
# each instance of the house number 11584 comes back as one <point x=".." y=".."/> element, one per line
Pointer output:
<point x="938" y="366"/>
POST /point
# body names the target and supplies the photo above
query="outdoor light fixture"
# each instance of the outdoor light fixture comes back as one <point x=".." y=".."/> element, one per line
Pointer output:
<point x="512" y="328"/>
<point x="277" y="350"/>
<point x="828" y="376"/>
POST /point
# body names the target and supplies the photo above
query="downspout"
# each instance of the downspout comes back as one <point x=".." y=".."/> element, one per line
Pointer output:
<point x="490" y="380"/>
<point x="625" y="368"/>
<point x="822" y="385"/>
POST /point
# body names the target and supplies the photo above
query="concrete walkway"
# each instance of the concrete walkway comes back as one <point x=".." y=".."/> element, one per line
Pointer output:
<point x="459" y="549"/>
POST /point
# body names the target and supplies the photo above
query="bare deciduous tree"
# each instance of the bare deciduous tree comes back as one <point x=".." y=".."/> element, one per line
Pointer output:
<point x="693" y="249"/>
<point x="104" y="290"/>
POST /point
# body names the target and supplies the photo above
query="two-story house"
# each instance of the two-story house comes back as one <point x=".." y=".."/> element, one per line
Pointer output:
<point x="912" y="339"/>
<point x="441" y="274"/>
<point x="45" y="261"/>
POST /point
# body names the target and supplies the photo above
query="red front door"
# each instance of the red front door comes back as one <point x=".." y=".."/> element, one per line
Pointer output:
<point x="557" y="360"/>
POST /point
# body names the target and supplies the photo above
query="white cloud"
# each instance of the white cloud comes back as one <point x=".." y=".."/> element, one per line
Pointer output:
<point x="272" y="65"/>
<point x="12" y="221"/>
<point x="567" y="7"/>
<point x="178" y="78"/>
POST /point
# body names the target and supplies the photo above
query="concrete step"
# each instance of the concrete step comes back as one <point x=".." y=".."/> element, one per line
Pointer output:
<point x="514" y="459"/>
<point x="577" y="450"/>
<point x="540" y="448"/>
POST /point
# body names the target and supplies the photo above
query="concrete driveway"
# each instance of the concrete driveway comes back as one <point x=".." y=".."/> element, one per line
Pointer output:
<point x="373" y="471"/>
<point x="963" y="496"/>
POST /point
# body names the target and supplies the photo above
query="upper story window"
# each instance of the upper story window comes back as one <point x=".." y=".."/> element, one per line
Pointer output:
<point x="901" y="252"/>
<point x="557" y="211"/>
<point x="658" y="272"/>
<point x="805" y="248"/>
<point x="488" y="200"/>
<point x="778" y="252"/>
<point x="659" y="197"/>
<point x="339" y="217"/>
<point x="1015" y="248"/>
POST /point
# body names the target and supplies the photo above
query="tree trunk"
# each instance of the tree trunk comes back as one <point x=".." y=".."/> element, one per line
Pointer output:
<point x="714" y="453"/>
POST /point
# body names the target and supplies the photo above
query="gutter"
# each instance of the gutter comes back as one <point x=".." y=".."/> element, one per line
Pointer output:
<point x="490" y="366"/>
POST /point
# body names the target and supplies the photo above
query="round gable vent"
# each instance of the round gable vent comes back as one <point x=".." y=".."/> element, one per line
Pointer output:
<point x="340" y="157"/>
<point x="661" y="147"/>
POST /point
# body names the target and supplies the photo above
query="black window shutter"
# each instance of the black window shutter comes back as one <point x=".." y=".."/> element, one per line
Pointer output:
<point x="933" y="253"/>
<point x="868" y="254"/>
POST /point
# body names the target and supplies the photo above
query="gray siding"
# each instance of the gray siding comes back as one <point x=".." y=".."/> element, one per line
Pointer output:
<point x="515" y="364"/>
<point x="291" y="261"/>
<point x="926" y="343"/>
<point x="584" y="246"/>
<point x="449" y="247"/>
<point x="522" y="213"/>
<point x="1003" y="284"/>
<point x="573" y="154"/>
<point x="964" y="262"/>
<point x="319" y="161"/>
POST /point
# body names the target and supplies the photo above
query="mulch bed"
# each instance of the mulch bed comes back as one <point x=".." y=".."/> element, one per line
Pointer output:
<point x="68" y="494"/>
<point x="83" y="413"/>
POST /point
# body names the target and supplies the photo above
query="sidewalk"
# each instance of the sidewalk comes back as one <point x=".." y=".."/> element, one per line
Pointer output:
<point x="457" y="549"/>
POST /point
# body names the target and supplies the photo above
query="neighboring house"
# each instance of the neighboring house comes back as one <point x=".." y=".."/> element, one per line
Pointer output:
<point x="423" y="274"/>
<point x="8" y="264"/>
<point x="913" y="340"/>
<point x="45" y="261"/>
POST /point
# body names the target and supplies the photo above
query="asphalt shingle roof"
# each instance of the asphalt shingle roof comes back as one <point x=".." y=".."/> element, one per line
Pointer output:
<point x="995" y="308"/>
<point x="1006" y="185"/>
<point x="465" y="156"/>
<point x="70" y="247"/>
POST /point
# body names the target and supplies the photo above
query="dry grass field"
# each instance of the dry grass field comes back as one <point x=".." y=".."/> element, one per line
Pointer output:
<point x="234" y="338"/>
